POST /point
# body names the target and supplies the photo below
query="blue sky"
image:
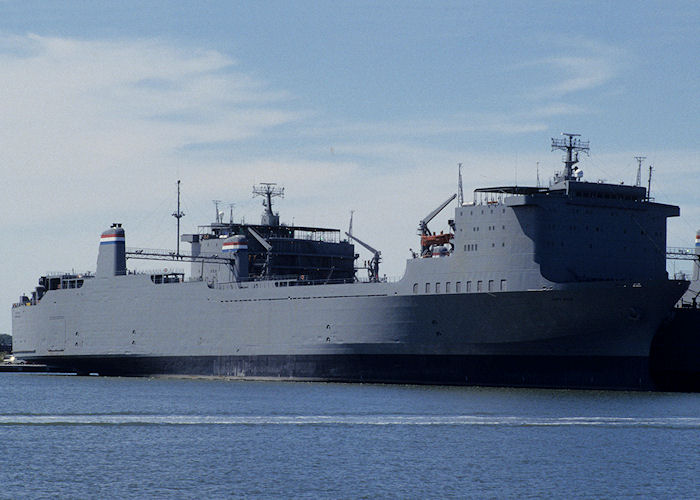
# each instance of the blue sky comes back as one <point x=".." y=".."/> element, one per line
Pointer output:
<point x="359" y="105"/>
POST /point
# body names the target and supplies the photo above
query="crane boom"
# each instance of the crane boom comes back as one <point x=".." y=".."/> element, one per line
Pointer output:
<point x="268" y="249"/>
<point x="424" y="223"/>
<point x="376" y="252"/>
<point x="373" y="267"/>
<point x="262" y="240"/>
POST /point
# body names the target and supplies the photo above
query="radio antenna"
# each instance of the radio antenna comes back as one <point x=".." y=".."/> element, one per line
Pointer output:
<point x="178" y="215"/>
<point x="460" y="193"/>
<point x="639" y="169"/>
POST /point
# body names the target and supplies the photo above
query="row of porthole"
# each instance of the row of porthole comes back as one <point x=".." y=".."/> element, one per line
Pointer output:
<point x="481" y="286"/>
<point x="471" y="212"/>
<point x="473" y="247"/>
<point x="490" y="228"/>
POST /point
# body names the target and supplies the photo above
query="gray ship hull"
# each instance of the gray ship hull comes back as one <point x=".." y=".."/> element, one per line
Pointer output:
<point x="580" y="335"/>
<point x="562" y="286"/>
<point x="579" y="372"/>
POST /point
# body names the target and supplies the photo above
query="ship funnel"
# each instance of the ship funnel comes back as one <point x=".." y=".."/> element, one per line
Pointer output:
<point x="111" y="259"/>
<point x="237" y="247"/>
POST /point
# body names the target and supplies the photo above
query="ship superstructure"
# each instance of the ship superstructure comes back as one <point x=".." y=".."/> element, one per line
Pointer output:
<point x="562" y="285"/>
<point x="270" y="250"/>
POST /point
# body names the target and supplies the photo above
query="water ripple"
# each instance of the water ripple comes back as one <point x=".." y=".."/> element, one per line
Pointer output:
<point x="347" y="420"/>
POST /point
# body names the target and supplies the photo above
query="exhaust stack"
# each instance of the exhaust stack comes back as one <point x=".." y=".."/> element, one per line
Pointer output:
<point x="238" y="246"/>
<point x="111" y="259"/>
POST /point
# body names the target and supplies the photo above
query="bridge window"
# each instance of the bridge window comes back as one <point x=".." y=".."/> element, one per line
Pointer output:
<point x="415" y="288"/>
<point x="448" y="287"/>
<point x="427" y="288"/>
<point x="479" y="286"/>
<point x="437" y="287"/>
<point x="458" y="287"/>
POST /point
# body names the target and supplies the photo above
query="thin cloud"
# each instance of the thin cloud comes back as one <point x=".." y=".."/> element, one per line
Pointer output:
<point x="582" y="65"/>
<point x="558" y="109"/>
<point x="449" y="126"/>
<point x="81" y="113"/>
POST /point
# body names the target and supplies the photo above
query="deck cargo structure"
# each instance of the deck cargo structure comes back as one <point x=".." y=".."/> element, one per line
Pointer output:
<point x="558" y="286"/>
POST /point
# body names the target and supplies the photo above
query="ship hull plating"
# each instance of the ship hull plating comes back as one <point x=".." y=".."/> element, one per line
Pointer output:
<point x="580" y="372"/>
<point x="586" y="335"/>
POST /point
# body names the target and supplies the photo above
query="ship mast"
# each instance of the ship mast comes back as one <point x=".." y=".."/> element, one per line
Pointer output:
<point x="219" y="215"/>
<point x="178" y="215"/>
<point x="268" y="191"/>
<point x="572" y="146"/>
<point x="639" y="169"/>
<point x="460" y="193"/>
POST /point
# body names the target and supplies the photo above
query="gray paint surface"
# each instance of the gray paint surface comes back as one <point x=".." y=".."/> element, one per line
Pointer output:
<point x="574" y="270"/>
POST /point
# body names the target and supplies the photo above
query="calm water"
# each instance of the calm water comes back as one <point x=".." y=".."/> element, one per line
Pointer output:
<point x="91" y="437"/>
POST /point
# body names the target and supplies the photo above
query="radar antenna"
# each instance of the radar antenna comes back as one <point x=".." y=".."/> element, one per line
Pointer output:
<point x="178" y="215"/>
<point x="572" y="146"/>
<point x="639" y="169"/>
<point x="268" y="191"/>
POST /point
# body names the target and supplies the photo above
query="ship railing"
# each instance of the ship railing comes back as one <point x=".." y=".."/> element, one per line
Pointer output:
<point x="382" y="279"/>
<point x="69" y="274"/>
<point x="165" y="254"/>
<point x="680" y="253"/>
<point x="160" y="252"/>
<point x="324" y="236"/>
<point x="163" y="271"/>
<point x="277" y="283"/>
<point x="281" y="283"/>
<point x="488" y="198"/>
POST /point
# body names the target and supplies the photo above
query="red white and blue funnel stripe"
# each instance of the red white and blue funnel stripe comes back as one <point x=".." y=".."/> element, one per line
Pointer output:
<point x="111" y="238"/>
<point x="234" y="246"/>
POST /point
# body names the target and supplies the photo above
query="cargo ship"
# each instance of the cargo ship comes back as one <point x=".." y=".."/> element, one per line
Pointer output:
<point x="675" y="349"/>
<point x="556" y="286"/>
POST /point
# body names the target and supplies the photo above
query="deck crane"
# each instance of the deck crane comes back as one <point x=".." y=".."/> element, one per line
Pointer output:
<point x="428" y="239"/>
<point x="266" y="246"/>
<point x="373" y="267"/>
